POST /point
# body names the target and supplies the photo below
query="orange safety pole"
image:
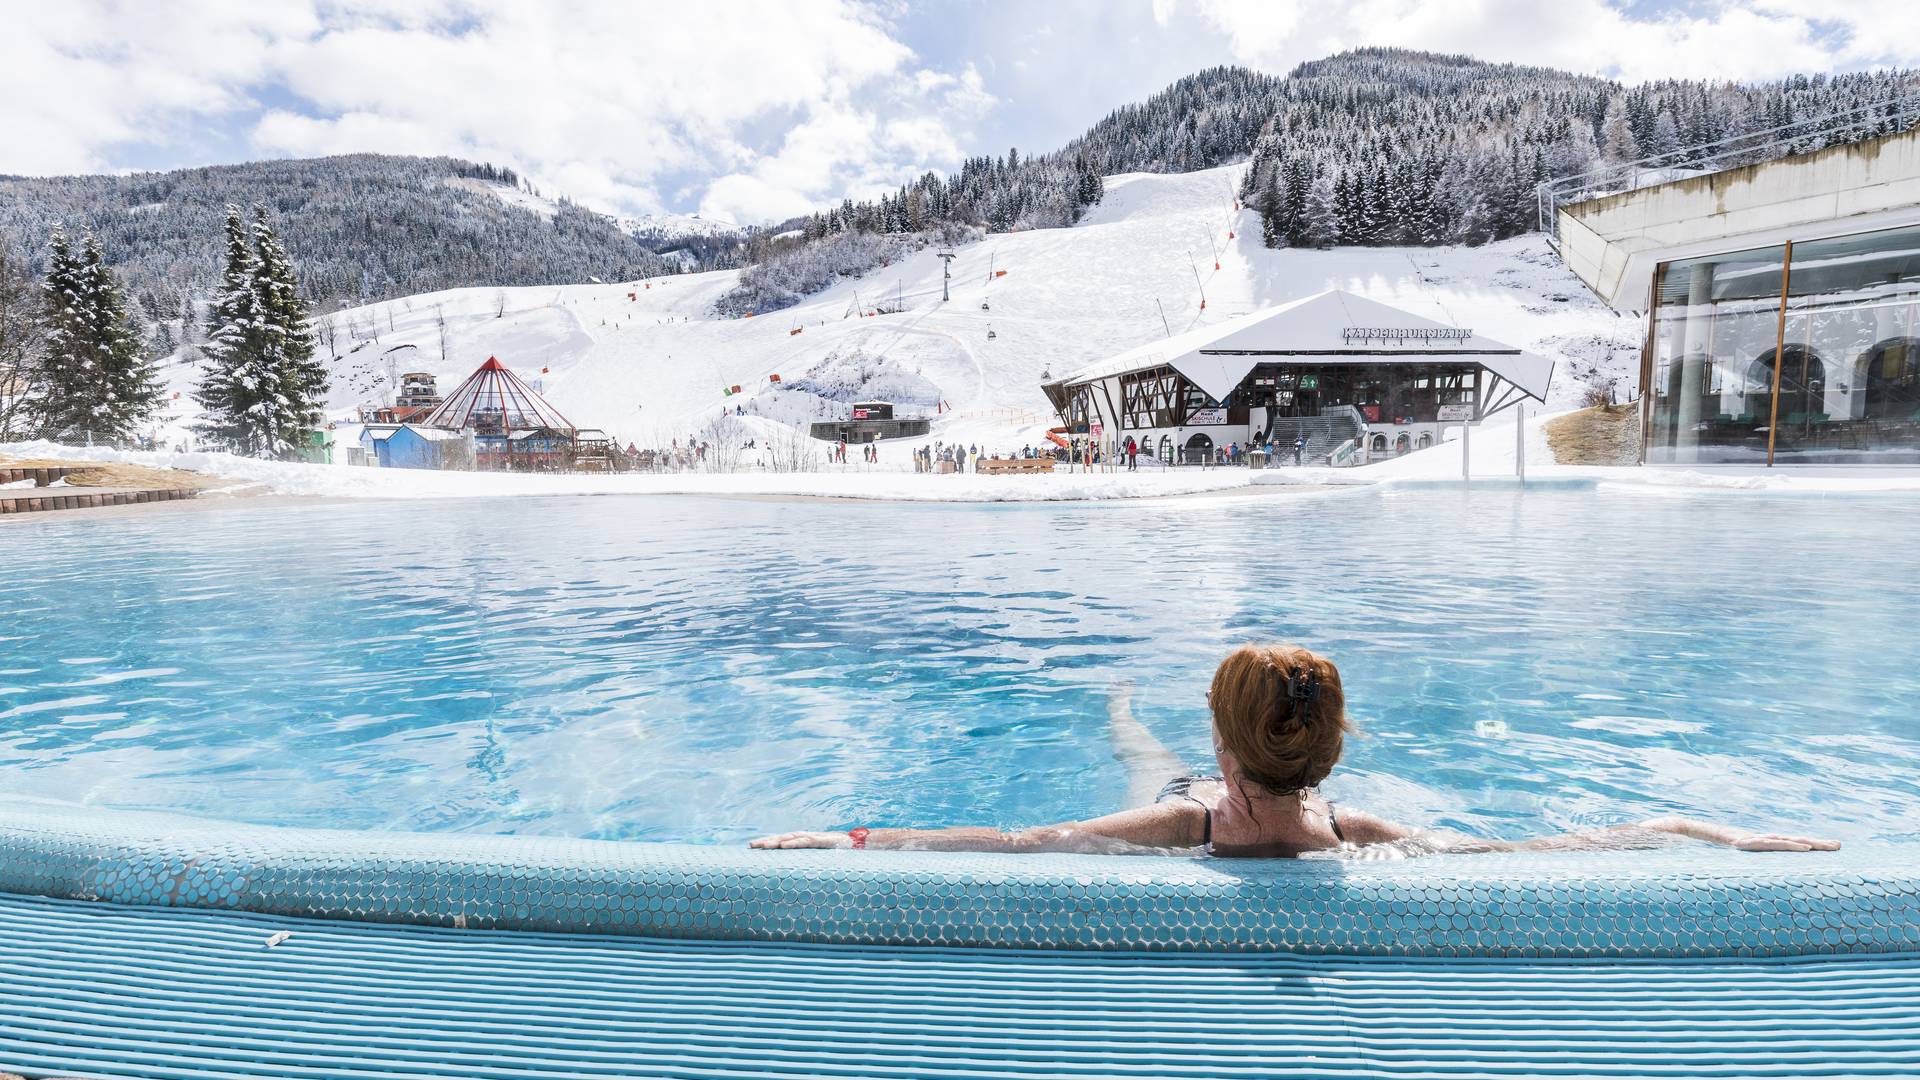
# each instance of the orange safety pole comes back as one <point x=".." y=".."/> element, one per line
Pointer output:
<point x="1779" y="347"/>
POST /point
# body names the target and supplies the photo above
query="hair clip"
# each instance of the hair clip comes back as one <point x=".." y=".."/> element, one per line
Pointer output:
<point x="1303" y="685"/>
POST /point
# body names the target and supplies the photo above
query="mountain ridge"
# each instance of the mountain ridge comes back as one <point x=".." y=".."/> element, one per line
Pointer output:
<point x="1427" y="149"/>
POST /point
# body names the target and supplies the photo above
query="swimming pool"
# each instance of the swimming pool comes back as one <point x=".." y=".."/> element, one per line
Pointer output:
<point x="687" y="669"/>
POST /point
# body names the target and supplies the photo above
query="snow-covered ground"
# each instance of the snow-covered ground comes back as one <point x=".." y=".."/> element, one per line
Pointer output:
<point x="1493" y="452"/>
<point x="648" y="362"/>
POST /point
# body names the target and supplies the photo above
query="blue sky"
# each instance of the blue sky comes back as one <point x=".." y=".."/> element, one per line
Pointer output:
<point x="753" y="110"/>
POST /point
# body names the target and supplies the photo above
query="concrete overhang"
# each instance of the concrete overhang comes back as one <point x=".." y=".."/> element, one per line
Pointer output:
<point x="1615" y="242"/>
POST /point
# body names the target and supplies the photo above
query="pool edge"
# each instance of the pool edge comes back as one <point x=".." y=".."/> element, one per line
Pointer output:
<point x="1661" y="904"/>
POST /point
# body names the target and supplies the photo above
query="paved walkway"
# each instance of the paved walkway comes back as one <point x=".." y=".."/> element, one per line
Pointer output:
<point x="104" y="990"/>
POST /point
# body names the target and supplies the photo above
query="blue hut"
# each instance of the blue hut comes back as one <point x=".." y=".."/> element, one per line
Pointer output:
<point x="411" y="446"/>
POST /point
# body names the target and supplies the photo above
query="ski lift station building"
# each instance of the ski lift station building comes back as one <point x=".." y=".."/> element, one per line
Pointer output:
<point x="1358" y="378"/>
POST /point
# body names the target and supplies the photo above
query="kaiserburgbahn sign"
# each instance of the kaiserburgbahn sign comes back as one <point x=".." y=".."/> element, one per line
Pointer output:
<point x="1400" y="335"/>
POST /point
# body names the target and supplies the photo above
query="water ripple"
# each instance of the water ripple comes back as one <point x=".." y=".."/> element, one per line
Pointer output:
<point x="682" y="669"/>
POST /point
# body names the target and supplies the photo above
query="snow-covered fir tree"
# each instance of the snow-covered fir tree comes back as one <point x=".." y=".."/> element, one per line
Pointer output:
<point x="1430" y="149"/>
<point x="304" y="378"/>
<point x="262" y="389"/>
<point x="1319" y="216"/>
<point x="96" y="384"/>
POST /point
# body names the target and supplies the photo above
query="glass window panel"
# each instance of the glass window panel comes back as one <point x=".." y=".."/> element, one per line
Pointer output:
<point x="1714" y="321"/>
<point x="1850" y="376"/>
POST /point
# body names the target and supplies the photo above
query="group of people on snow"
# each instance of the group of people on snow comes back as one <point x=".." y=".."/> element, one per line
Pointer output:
<point x="869" y="453"/>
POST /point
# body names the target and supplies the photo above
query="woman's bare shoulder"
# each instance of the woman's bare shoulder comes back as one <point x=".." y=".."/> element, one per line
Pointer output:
<point x="1361" y="828"/>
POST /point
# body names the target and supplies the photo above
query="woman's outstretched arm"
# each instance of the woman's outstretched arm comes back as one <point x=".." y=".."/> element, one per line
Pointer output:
<point x="1166" y="825"/>
<point x="1744" y="839"/>
<point x="1618" y="836"/>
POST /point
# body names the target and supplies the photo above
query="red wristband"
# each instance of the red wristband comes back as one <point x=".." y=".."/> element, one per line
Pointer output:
<point x="859" y="836"/>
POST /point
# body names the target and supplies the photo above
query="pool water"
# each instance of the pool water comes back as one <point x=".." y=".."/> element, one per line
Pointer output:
<point x="690" y="669"/>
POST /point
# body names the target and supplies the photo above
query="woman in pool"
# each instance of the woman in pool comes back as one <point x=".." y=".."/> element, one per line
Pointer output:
<point x="1279" y="724"/>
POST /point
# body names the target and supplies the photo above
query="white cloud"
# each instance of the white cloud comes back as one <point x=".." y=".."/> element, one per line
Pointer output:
<point x="747" y="109"/>
<point x="1718" y="40"/>
<point x="603" y="101"/>
<point x="79" y="78"/>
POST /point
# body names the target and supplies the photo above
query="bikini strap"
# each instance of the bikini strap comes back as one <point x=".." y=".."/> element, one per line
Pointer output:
<point x="1181" y="787"/>
<point x="1333" y="819"/>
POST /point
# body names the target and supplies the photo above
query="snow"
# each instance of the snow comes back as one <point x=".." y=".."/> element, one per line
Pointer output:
<point x="647" y="361"/>
<point x="506" y="193"/>
<point x="1492" y="447"/>
<point x="672" y="227"/>
<point x="652" y="368"/>
<point x="853" y="481"/>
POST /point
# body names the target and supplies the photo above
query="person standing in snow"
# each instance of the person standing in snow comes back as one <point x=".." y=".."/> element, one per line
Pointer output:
<point x="1133" y="455"/>
<point x="1299" y="447"/>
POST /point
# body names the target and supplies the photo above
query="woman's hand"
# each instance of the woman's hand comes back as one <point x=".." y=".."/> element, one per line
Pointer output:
<point x="1782" y="842"/>
<point x="804" y="840"/>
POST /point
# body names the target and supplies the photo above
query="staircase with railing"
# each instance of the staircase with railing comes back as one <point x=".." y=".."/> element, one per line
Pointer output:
<point x="1325" y="434"/>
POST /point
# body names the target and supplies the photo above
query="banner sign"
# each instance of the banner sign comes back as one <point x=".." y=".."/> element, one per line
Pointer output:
<point x="1400" y="335"/>
<point x="1207" y="416"/>
<point x="1455" y="412"/>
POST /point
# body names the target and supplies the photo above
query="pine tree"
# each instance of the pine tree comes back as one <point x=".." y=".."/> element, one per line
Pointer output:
<point x="302" y="379"/>
<point x="1273" y="228"/>
<point x="1320" y="220"/>
<point x="127" y="389"/>
<point x="240" y="391"/>
<point x="98" y="386"/>
<point x="61" y="413"/>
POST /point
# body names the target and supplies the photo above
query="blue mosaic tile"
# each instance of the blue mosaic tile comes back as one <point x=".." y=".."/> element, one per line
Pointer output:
<point x="1676" y="903"/>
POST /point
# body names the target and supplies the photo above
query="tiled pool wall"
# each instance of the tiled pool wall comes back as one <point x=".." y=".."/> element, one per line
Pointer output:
<point x="1672" y="903"/>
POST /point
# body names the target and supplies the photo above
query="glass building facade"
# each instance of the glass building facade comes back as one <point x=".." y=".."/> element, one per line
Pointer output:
<point x="1808" y="351"/>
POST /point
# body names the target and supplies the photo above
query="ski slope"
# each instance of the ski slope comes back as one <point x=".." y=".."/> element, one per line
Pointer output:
<point x="648" y="361"/>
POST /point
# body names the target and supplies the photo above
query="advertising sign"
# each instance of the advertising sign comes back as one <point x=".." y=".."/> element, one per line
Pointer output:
<point x="1207" y="416"/>
<point x="1401" y="335"/>
<point x="1455" y="412"/>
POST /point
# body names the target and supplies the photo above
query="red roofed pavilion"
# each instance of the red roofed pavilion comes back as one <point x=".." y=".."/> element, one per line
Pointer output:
<point x="513" y="427"/>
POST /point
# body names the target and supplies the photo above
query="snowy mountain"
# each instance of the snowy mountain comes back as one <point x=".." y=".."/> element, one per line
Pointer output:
<point x="361" y="227"/>
<point x="663" y="232"/>
<point x="1369" y="147"/>
<point x="649" y="361"/>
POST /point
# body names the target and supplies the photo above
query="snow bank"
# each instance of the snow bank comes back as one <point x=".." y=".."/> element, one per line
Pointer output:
<point x="1493" y="459"/>
<point x="846" y="482"/>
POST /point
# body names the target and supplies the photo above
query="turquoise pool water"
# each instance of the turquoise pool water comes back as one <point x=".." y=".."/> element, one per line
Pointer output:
<point x="706" y="670"/>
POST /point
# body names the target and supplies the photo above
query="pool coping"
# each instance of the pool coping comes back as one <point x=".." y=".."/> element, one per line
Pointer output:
<point x="1688" y="902"/>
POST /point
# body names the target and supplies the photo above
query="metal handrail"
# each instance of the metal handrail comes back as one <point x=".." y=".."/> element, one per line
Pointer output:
<point x="1746" y="148"/>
